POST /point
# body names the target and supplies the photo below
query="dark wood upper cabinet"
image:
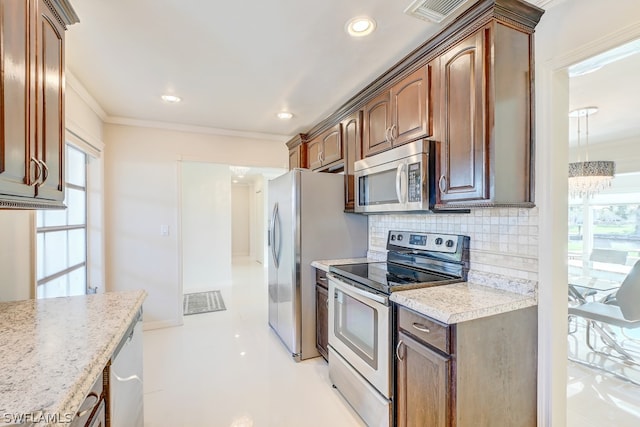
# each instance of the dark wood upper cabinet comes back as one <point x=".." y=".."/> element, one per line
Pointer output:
<point x="17" y="94"/>
<point x="463" y="78"/>
<point x="410" y="112"/>
<point x="297" y="152"/>
<point x="32" y="102"/>
<point x="470" y="89"/>
<point x="325" y="151"/>
<point x="377" y="125"/>
<point x="50" y="129"/>
<point x="399" y="115"/>
<point x="484" y="120"/>
<point x="352" y="141"/>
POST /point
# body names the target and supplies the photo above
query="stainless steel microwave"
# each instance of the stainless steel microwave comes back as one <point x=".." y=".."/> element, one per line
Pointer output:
<point x="397" y="180"/>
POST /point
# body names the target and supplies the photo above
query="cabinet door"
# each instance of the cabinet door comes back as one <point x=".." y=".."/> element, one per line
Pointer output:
<point x="422" y="383"/>
<point x="377" y="125"/>
<point x="322" y="320"/>
<point x="410" y="113"/>
<point x="463" y="108"/>
<point x="352" y="141"/>
<point x="16" y="99"/>
<point x="294" y="158"/>
<point x="50" y="102"/>
<point x="332" y="150"/>
<point x="314" y="151"/>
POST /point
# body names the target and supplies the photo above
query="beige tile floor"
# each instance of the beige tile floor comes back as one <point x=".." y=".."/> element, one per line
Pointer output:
<point x="228" y="369"/>
<point x="596" y="398"/>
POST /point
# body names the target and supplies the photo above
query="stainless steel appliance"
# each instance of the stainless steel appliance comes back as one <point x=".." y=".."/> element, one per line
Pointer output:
<point x="360" y="316"/>
<point x="307" y="223"/>
<point x="125" y="378"/>
<point x="398" y="180"/>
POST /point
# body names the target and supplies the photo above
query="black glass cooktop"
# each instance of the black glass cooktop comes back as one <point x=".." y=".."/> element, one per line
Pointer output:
<point x="387" y="277"/>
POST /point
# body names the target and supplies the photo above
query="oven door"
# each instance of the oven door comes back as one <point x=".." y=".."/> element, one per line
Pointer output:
<point x="359" y="330"/>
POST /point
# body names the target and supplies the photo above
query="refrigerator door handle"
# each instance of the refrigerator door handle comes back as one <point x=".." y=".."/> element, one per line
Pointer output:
<point x="274" y="249"/>
<point x="277" y="238"/>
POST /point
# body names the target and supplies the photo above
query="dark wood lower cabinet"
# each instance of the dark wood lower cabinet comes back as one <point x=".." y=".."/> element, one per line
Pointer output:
<point x="423" y="396"/>
<point x="477" y="373"/>
<point x="322" y="314"/>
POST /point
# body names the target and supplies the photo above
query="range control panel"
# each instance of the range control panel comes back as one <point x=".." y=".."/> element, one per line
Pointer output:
<point x="434" y="242"/>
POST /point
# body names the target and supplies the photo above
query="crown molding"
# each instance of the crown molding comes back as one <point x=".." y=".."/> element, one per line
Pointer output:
<point x="125" y="121"/>
<point x="83" y="93"/>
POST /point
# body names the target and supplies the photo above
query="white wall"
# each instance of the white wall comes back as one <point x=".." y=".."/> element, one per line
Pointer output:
<point x="17" y="275"/>
<point x="569" y="32"/>
<point x="141" y="169"/>
<point x="240" y="220"/>
<point x="258" y="217"/>
<point x="205" y="232"/>
<point x="17" y="261"/>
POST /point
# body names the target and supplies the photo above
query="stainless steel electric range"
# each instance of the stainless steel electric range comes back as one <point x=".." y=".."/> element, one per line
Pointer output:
<point x="360" y="315"/>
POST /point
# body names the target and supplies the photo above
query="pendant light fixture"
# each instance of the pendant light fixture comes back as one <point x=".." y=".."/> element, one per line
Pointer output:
<point x="587" y="178"/>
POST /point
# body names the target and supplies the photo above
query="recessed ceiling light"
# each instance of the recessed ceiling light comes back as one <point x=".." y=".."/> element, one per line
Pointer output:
<point x="360" y="26"/>
<point x="171" y="99"/>
<point x="284" y="115"/>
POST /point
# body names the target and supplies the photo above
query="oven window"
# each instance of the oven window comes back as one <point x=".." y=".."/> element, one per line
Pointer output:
<point x="378" y="188"/>
<point x="356" y="326"/>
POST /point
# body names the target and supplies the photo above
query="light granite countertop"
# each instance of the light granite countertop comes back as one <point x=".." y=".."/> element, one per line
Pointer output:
<point x="326" y="263"/>
<point x="460" y="302"/>
<point x="52" y="351"/>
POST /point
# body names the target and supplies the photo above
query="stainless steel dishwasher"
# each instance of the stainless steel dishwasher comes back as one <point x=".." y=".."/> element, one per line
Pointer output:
<point x="125" y="379"/>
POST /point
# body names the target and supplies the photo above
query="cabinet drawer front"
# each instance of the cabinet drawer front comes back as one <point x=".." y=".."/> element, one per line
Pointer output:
<point x="321" y="278"/>
<point x="426" y="330"/>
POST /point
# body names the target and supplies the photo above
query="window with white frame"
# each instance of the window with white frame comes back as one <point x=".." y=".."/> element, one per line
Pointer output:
<point x="604" y="234"/>
<point x="62" y="236"/>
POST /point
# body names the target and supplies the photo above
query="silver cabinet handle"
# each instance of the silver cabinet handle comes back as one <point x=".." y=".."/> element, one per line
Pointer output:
<point x="38" y="171"/>
<point x="394" y="133"/>
<point x="398" y="350"/>
<point x="387" y="135"/>
<point x="442" y="183"/>
<point x="81" y="414"/>
<point x="322" y="279"/>
<point x="45" y="171"/>
<point x="421" y="327"/>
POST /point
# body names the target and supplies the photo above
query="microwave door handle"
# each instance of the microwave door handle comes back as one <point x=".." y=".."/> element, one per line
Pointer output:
<point x="399" y="178"/>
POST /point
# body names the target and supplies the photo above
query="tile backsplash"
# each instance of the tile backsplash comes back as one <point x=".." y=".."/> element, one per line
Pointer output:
<point x="504" y="241"/>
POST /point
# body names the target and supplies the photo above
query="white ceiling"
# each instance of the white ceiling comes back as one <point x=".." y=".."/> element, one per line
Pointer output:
<point x="234" y="63"/>
<point x="614" y="89"/>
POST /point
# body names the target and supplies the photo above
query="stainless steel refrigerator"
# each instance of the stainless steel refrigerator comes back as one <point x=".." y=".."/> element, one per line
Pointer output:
<point x="307" y="222"/>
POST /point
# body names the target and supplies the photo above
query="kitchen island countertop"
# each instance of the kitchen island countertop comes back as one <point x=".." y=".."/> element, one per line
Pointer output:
<point x="52" y="351"/>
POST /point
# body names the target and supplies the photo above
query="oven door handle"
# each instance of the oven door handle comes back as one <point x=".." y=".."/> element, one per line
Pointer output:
<point x="351" y="290"/>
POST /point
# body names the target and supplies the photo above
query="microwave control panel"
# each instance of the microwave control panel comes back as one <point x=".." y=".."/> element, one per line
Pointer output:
<point x="414" y="182"/>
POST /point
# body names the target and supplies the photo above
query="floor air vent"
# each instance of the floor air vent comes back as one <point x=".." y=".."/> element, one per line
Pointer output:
<point x="432" y="10"/>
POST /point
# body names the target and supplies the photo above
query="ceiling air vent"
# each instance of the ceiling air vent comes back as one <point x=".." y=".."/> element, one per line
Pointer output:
<point x="432" y="10"/>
